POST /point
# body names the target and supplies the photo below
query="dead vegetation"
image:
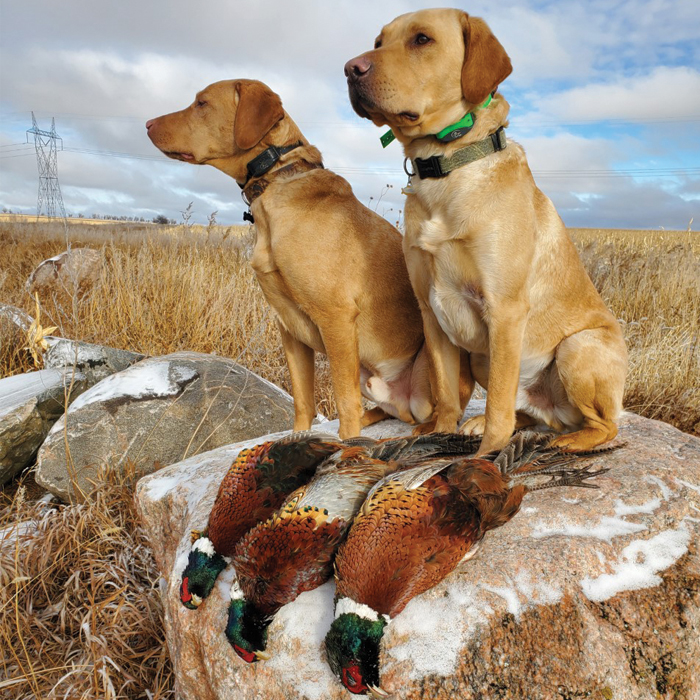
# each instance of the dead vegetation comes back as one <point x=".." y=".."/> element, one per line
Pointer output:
<point x="651" y="281"/>
<point x="80" y="614"/>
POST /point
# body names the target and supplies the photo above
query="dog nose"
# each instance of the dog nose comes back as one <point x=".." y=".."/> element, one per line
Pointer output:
<point x="150" y="123"/>
<point x="357" y="67"/>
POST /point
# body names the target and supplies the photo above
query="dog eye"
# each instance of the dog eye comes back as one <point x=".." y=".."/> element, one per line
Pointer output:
<point x="377" y="43"/>
<point x="201" y="103"/>
<point x="422" y="39"/>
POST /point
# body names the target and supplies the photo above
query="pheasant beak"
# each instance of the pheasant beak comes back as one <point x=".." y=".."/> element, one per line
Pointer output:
<point x="377" y="692"/>
<point x="261" y="655"/>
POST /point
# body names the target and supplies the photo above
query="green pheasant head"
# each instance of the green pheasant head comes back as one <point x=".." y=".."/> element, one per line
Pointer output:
<point x="352" y="647"/>
<point x="246" y="627"/>
<point x="199" y="576"/>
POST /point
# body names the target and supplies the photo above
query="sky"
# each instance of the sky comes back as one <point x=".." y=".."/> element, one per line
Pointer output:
<point x="604" y="94"/>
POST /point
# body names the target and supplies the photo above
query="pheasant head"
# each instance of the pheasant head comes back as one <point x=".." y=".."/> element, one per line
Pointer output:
<point x="199" y="576"/>
<point x="246" y="628"/>
<point x="352" y="647"/>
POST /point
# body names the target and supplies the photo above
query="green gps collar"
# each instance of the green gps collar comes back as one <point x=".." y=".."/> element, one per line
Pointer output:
<point x="449" y="133"/>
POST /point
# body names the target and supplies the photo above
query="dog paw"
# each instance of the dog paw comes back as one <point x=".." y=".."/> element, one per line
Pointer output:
<point x="582" y="440"/>
<point x="473" y="426"/>
<point x="425" y="428"/>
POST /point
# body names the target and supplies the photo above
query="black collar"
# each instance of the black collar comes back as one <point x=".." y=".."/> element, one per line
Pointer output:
<point x="265" y="160"/>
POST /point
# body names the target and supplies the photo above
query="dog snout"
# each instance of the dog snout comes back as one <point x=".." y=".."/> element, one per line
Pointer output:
<point x="150" y="123"/>
<point x="358" y="67"/>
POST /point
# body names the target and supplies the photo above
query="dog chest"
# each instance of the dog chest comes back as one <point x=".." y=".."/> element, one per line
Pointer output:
<point x="459" y="309"/>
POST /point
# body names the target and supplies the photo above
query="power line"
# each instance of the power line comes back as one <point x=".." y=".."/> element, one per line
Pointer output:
<point x="47" y="162"/>
<point x="522" y="121"/>
<point x="549" y="174"/>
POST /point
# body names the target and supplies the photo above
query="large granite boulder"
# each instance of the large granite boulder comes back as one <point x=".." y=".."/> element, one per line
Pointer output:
<point x="584" y="594"/>
<point x="94" y="361"/>
<point x="157" y="412"/>
<point x="29" y="405"/>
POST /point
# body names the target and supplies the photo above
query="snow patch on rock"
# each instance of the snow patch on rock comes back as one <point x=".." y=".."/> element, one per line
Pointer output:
<point x="639" y="565"/>
<point x="429" y="636"/>
<point x="688" y="485"/>
<point x="145" y="380"/>
<point x="606" y="529"/>
<point x="666" y="492"/>
<point x="306" y="621"/>
<point x="524" y="592"/>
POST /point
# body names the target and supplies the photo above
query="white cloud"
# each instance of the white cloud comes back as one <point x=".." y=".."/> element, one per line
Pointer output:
<point x="104" y="69"/>
<point x="665" y="92"/>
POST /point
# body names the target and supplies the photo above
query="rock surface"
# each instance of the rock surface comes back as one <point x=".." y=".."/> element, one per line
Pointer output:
<point x="29" y="405"/>
<point x="584" y="594"/>
<point x="94" y="361"/>
<point x="73" y="272"/>
<point x="157" y="412"/>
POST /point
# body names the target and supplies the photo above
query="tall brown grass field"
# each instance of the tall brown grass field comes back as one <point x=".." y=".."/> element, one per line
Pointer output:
<point x="80" y="614"/>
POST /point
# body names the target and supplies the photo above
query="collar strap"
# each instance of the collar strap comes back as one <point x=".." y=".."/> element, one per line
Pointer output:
<point x="441" y="166"/>
<point x="253" y="190"/>
<point x="265" y="160"/>
<point x="462" y="127"/>
<point x="449" y="133"/>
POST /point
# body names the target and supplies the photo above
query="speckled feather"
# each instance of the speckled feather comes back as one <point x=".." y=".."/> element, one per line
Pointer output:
<point x="293" y="550"/>
<point x="260" y="479"/>
<point x="416" y="526"/>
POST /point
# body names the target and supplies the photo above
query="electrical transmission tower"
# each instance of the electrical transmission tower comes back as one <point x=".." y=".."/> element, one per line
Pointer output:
<point x="45" y="143"/>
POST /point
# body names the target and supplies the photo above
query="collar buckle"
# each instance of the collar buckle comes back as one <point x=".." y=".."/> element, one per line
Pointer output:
<point x="498" y="139"/>
<point x="429" y="167"/>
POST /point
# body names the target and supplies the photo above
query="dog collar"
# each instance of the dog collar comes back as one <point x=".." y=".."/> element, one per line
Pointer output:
<point x="253" y="190"/>
<point x="441" y="166"/>
<point x="449" y="133"/>
<point x="265" y="160"/>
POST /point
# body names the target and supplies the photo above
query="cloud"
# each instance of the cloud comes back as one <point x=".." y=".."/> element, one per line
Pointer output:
<point x="666" y="92"/>
<point x="103" y="69"/>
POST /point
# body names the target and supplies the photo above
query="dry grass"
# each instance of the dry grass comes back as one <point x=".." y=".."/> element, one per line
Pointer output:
<point x="80" y="615"/>
<point x="163" y="289"/>
<point x="651" y="281"/>
<point x="80" y="612"/>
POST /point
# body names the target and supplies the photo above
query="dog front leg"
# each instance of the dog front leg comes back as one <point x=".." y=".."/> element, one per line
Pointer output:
<point x="444" y="376"/>
<point x="506" y="332"/>
<point x="443" y="356"/>
<point x="340" y="341"/>
<point x="300" y="360"/>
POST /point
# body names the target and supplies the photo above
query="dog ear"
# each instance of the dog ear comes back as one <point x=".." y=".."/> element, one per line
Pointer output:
<point x="486" y="63"/>
<point x="259" y="109"/>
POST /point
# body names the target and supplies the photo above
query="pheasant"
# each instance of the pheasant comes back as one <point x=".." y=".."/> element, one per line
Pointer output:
<point x="255" y="485"/>
<point x="293" y="550"/>
<point x="415" y="527"/>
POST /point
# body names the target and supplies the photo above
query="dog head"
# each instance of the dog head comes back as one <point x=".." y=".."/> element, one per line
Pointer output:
<point x="225" y="126"/>
<point x="426" y="71"/>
